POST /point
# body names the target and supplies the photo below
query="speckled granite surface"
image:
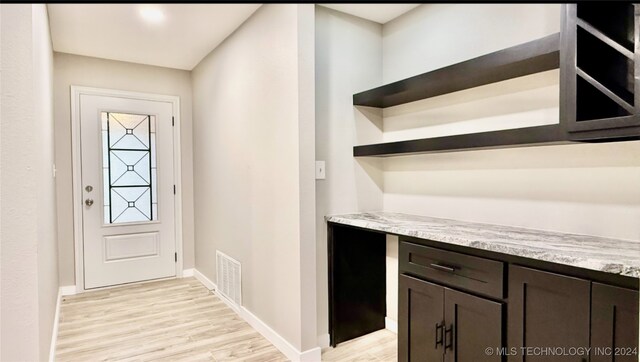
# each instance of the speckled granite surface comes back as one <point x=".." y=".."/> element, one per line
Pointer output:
<point x="589" y="252"/>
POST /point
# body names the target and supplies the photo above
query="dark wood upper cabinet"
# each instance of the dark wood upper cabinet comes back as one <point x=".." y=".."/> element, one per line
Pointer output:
<point x="614" y="324"/>
<point x="599" y="64"/>
<point x="547" y="310"/>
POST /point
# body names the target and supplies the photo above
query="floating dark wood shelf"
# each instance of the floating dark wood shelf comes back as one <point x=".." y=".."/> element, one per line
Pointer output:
<point x="519" y="137"/>
<point x="533" y="57"/>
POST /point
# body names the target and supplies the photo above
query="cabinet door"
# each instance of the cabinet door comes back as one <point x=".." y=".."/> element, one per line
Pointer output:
<point x="472" y="325"/>
<point x="614" y="324"/>
<point x="421" y="325"/>
<point x="547" y="310"/>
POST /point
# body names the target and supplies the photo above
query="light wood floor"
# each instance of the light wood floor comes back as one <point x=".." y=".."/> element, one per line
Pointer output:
<point x="178" y="320"/>
<point x="377" y="346"/>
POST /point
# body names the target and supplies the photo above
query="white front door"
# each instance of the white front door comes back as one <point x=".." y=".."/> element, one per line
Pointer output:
<point x="128" y="190"/>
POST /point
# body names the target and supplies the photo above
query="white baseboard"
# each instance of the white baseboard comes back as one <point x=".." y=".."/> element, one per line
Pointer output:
<point x="277" y="340"/>
<point x="204" y="280"/>
<point x="390" y="325"/>
<point x="323" y="340"/>
<point x="267" y="332"/>
<point x="187" y="273"/>
<point x="310" y="355"/>
<point x="62" y="291"/>
<point x="56" y="319"/>
<point x="68" y="290"/>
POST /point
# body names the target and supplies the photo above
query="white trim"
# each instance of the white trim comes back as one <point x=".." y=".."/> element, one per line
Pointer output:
<point x="324" y="340"/>
<point x="54" y="333"/>
<point x="76" y="162"/>
<point x="186" y="273"/>
<point x="68" y="290"/>
<point x="204" y="280"/>
<point x="292" y="353"/>
<point x="391" y="325"/>
<point x="311" y="355"/>
<point x="314" y="354"/>
<point x="177" y="180"/>
<point x="76" y="152"/>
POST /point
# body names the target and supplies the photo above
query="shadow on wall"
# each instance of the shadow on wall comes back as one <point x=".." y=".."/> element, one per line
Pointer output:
<point x="516" y="103"/>
<point x="369" y="124"/>
<point x="581" y="173"/>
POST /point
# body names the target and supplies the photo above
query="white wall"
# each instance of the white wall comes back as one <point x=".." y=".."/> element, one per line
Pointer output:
<point x="348" y="60"/>
<point x="29" y="268"/>
<point x="588" y="188"/>
<point x="46" y="185"/>
<point x="432" y="36"/>
<point x="306" y="163"/>
<point x="102" y="73"/>
<point x="253" y="146"/>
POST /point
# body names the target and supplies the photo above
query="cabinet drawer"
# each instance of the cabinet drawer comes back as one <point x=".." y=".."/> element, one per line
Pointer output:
<point x="466" y="272"/>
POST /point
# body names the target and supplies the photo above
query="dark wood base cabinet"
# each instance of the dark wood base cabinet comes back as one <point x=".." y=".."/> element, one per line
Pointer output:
<point x="547" y="311"/>
<point x="561" y="312"/>
<point x="614" y="324"/>
<point x="439" y="323"/>
<point x="451" y="309"/>
<point x="462" y="304"/>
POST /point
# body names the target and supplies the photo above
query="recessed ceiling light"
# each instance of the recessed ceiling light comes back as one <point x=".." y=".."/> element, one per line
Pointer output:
<point x="152" y="14"/>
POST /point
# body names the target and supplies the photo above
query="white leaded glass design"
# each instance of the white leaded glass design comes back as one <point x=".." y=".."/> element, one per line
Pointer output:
<point x="129" y="167"/>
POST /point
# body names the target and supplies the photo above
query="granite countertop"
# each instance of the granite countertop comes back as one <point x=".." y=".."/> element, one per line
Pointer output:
<point x="588" y="252"/>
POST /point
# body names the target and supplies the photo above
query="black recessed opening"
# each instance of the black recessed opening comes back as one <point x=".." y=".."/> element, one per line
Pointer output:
<point x="593" y="104"/>
<point x="614" y="19"/>
<point x="606" y="65"/>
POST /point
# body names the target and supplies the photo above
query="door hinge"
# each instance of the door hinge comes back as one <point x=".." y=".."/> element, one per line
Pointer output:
<point x="173" y="121"/>
<point x="176" y="257"/>
<point x="174" y="189"/>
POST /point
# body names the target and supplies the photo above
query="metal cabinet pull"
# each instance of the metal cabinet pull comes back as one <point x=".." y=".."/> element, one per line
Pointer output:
<point x="445" y="268"/>
<point x="448" y="343"/>
<point x="439" y="334"/>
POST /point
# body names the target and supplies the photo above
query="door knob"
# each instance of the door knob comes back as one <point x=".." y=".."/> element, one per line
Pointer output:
<point x="88" y="202"/>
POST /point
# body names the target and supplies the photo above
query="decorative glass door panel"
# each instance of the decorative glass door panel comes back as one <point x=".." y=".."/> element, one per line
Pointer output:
<point x="129" y="167"/>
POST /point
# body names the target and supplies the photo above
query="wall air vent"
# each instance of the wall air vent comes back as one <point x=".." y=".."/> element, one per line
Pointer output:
<point x="229" y="277"/>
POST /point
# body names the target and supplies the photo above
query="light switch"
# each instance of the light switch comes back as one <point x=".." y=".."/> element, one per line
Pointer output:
<point x="321" y="173"/>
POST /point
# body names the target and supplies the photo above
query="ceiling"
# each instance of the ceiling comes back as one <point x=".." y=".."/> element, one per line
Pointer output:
<point x="173" y="35"/>
<point x="380" y="13"/>
<point x="117" y="31"/>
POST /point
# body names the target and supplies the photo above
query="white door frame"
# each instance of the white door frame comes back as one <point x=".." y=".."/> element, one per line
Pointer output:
<point x="76" y="153"/>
